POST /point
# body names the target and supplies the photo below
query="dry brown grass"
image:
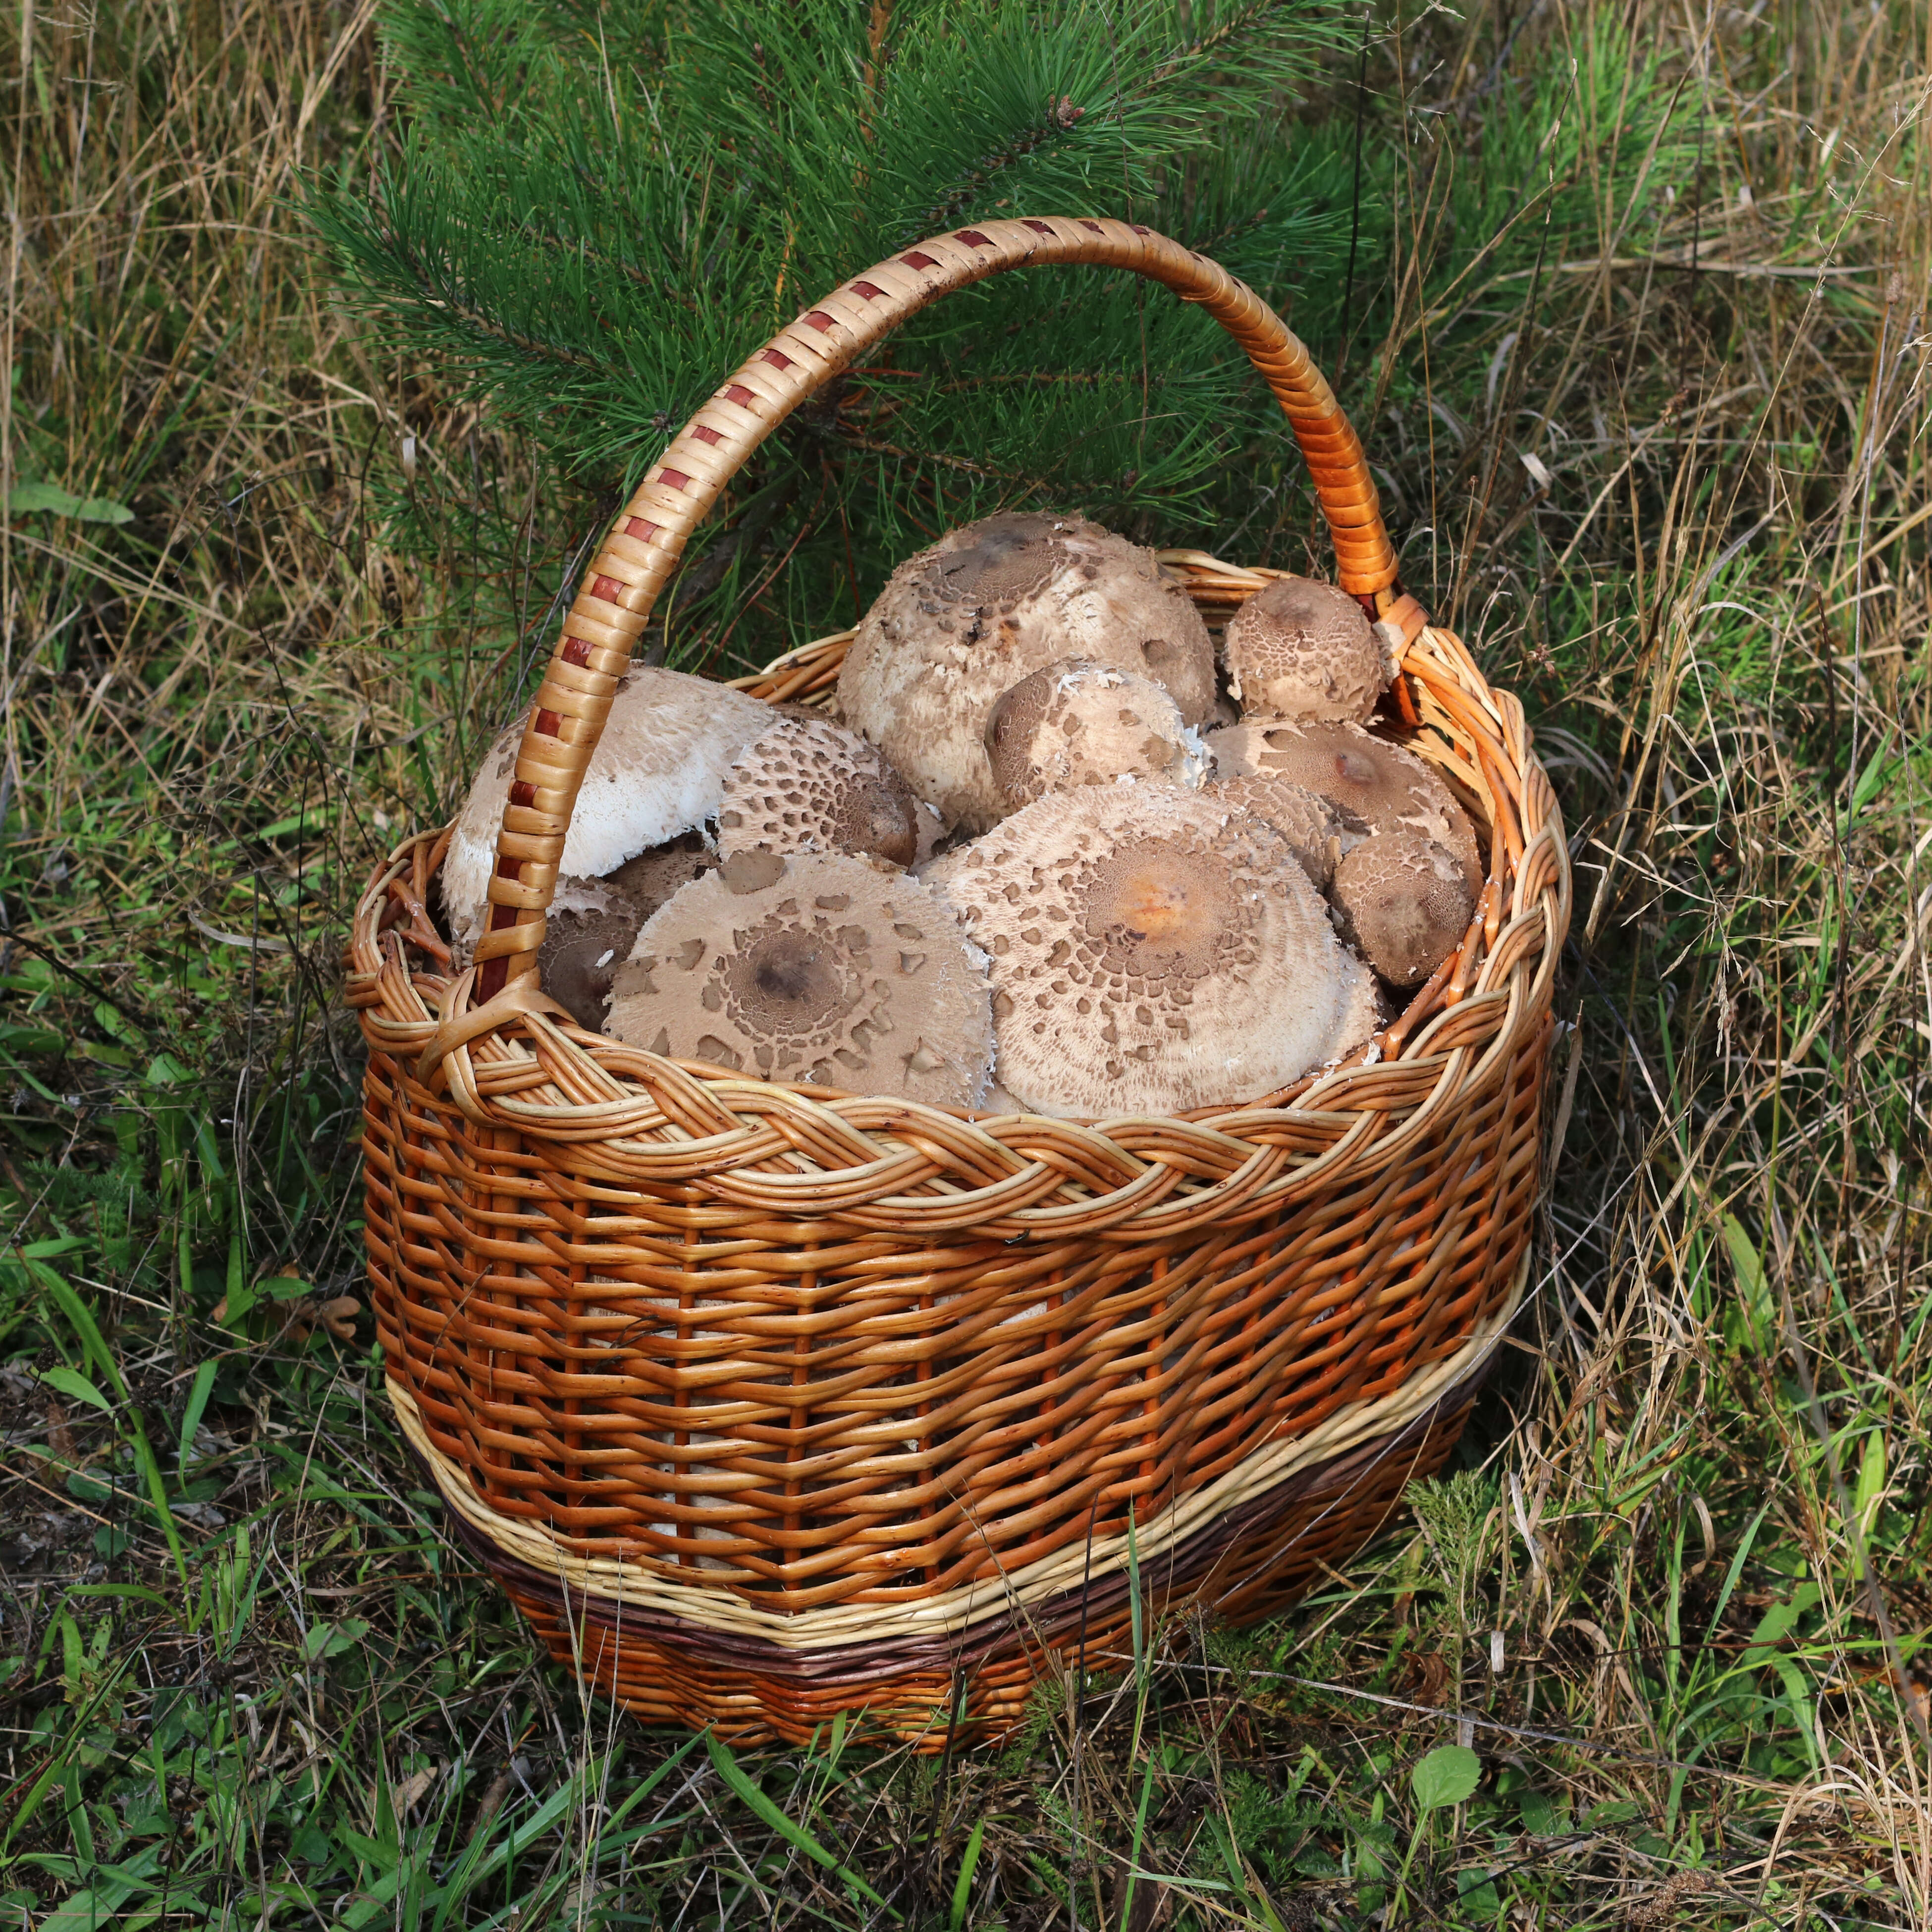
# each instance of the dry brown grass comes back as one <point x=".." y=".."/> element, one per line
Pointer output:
<point x="1685" y="508"/>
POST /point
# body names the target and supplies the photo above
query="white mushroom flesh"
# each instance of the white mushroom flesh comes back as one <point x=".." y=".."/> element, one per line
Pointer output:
<point x="658" y="771"/>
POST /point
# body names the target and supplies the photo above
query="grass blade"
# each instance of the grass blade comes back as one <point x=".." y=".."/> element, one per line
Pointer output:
<point x="962" y="1886"/>
<point x="734" y="1775"/>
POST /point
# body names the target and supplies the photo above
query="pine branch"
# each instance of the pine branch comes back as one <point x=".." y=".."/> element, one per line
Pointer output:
<point x="747" y="535"/>
<point x="528" y="346"/>
<point x="590" y="256"/>
<point x="565" y="247"/>
<point x="1036" y="485"/>
<point x="1061" y="116"/>
<point x="1220" y="42"/>
<point x="872" y="75"/>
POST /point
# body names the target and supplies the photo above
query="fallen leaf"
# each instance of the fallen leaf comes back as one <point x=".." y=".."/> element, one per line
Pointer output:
<point x="338" y="1316"/>
<point x="1428" y="1677"/>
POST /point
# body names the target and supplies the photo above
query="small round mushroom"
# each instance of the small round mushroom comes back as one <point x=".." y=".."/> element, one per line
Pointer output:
<point x="809" y="785"/>
<point x="1303" y="650"/>
<point x="1077" y="723"/>
<point x="819" y="968"/>
<point x="1386" y="788"/>
<point x="657" y="772"/>
<point x="967" y="620"/>
<point x="1150" y="950"/>
<point x="593" y="923"/>
<point x="1403" y="901"/>
<point x="1317" y="830"/>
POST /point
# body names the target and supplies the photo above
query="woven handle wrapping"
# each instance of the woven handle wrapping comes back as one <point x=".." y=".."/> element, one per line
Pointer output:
<point x="646" y="542"/>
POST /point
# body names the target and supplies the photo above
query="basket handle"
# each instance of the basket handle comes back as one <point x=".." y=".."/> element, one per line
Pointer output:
<point x="644" y="544"/>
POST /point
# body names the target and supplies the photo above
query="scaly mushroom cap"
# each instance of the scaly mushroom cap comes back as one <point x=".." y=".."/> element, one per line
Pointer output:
<point x="1403" y="902"/>
<point x="817" y="968"/>
<point x="1317" y="830"/>
<point x="657" y="772"/>
<point x="593" y="922"/>
<point x="1303" y="650"/>
<point x="968" y="619"/>
<point x="1151" y="950"/>
<point x="1077" y="723"/>
<point x="1388" y="788"/>
<point x="809" y="785"/>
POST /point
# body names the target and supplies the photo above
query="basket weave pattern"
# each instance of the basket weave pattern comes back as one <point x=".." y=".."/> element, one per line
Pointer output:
<point x="765" y="1402"/>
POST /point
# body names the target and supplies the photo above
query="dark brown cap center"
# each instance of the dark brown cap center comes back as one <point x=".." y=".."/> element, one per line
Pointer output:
<point x="1010" y="555"/>
<point x="790" y="986"/>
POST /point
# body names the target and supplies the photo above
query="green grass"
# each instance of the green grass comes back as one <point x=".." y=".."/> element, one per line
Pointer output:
<point x="245" y="1678"/>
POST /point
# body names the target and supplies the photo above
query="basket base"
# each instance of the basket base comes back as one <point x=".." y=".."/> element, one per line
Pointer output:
<point x="1256" y="1559"/>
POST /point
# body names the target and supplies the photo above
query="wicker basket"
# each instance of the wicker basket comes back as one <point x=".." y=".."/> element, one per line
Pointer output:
<point x="766" y="1402"/>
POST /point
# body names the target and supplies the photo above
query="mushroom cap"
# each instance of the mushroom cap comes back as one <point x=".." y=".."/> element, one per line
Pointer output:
<point x="1150" y="950"/>
<point x="809" y="785"/>
<point x="932" y="830"/>
<point x="997" y="1100"/>
<point x="593" y="922"/>
<point x="819" y="968"/>
<point x="1300" y="648"/>
<point x="1317" y="830"/>
<point x="1077" y="722"/>
<point x="657" y="772"/>
<point x="1386" y="788"/>
<point x="968" y="619"/>
<point x="1365" y="1012"/>
<point x="1403" y="901"/>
